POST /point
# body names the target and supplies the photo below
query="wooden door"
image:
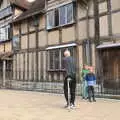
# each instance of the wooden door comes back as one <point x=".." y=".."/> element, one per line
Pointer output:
<point x="111" y="67"/>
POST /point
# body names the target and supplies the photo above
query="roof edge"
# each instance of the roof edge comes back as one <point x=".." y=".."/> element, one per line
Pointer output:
<point x="29" y="15"/>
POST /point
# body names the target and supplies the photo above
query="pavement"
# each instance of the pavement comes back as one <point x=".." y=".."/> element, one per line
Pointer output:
<point x="27" y="105"/>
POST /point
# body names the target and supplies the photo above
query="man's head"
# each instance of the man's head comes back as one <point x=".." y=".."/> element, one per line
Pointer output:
<point x="67" y="53"/>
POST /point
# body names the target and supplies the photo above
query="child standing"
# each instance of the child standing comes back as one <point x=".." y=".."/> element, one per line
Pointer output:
<point x="91" y="81"/>
<point x="85" y="71"/>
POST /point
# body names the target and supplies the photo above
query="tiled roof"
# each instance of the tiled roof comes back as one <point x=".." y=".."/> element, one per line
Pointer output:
<point x="36" y="8"/>
<point x="21" y="3"/>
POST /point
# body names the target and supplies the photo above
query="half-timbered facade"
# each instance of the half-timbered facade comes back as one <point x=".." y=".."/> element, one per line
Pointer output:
<point x="90" y="31"/>
<point x="9" y="10"/>
<point x="109" y="46"/>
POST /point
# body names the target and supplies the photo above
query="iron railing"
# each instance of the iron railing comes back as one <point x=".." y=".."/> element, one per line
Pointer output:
<point x="55" y="86"/>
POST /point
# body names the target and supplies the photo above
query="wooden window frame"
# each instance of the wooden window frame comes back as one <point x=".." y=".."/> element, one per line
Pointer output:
<point x="5" y="31"/>
<point x="66" y="14"/>
<point x="50" y="13"/>
<point x="60" y="17"/>
<point x="60" y="50"/>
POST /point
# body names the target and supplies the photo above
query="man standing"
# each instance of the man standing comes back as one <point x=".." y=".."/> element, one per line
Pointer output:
<point x="70" y="69"/>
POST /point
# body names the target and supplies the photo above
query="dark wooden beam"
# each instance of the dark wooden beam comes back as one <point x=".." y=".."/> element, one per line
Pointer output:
<point x="109" y="18"/>
<point x="28" y="51"/>
<point x="96" y="17"/>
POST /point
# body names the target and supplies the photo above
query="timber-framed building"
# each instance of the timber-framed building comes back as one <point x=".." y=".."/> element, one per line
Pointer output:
<point x="90" y="31"/>
<point x="9" y="10"/>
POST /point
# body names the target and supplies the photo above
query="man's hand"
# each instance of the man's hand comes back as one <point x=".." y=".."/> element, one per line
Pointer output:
<point x="69" y="79"/>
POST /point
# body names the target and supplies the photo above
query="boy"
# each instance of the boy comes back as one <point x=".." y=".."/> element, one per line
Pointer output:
<point x="91" y="81"/>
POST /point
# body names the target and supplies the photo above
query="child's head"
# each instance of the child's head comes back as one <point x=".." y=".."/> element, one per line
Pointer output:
<point x="91" y="69"/>
<point x="85" y="66"/>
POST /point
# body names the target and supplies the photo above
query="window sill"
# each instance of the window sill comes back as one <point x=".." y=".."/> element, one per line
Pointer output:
<point x="56" y="70"/>
<point x="16" y="50"/>
<point x="61" y="26"/>
<point x="3" y="41"/>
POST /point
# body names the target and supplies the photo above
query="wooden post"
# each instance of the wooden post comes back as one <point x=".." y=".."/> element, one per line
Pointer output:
<point x="37" y="42"/>
<point x="96" y="17"/>
<point x="4" y="72"/>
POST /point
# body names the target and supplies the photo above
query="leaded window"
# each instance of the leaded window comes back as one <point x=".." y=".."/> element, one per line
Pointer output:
<point x="60" y="16"/>
<point x="50" y="19"/>
<point x="56" y="57"/>
<point x="5" y="33"/>
<point x="66" y="14"/>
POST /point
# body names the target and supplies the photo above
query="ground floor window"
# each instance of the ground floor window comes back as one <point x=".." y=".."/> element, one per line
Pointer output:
<point x="87" y="52"/>
<point x="55" y="61"/>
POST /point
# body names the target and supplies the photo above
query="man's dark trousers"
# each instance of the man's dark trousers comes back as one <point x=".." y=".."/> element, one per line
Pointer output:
<point x="72" y="85"/>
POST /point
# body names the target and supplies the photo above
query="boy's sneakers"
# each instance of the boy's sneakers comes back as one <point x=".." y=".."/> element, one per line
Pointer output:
<point x="91" y="100"/>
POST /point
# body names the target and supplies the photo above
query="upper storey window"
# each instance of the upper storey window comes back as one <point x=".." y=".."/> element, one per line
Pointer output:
<point x="5" y="33"/>
<point x="5" y="12"/>
<point x="60" y="16"/>
<point x="50" y="19"/>
<point x="66" y="14"/>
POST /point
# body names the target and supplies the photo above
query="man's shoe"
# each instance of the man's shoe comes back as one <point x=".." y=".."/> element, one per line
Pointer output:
<point x="72" y="106"/>
<point x="66" y="106"/>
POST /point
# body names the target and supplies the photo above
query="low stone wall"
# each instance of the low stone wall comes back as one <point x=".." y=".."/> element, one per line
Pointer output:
<point x="55" y="87"/>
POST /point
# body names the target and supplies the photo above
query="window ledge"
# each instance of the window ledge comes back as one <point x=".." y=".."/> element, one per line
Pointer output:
<point x="61" y="26"/>
<point x="56" y="70"/>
